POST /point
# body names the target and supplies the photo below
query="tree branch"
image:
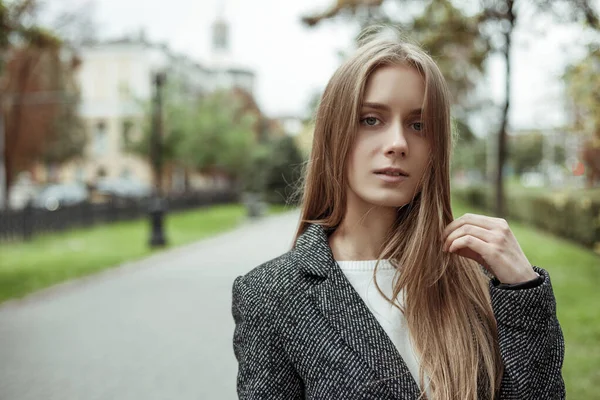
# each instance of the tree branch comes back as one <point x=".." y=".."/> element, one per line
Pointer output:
<point x="312" y="20"/>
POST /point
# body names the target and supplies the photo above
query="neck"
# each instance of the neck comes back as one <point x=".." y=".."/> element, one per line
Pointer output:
<point x="362" y="234"/>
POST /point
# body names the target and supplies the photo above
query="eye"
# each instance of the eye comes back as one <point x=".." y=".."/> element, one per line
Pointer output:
<point x="417" y="126"/>
<point x="370" y="121"/>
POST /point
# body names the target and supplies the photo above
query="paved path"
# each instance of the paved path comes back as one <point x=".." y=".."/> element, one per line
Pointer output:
<point x="160" y="328"/>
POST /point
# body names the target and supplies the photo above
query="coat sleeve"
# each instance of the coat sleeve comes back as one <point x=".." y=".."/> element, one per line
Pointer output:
<point x="531" y="341"/>
<point x="264" y="370"/>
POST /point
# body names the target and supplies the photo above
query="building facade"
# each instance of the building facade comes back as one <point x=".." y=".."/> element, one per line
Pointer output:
<point x="116" y="86"/>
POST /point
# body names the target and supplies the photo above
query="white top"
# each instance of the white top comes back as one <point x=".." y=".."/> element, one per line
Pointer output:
<point x="391" y="319"/>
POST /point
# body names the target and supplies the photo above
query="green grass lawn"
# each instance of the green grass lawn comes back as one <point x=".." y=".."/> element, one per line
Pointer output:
<point x="575" y="274"/>
<point x="49" y="259"/>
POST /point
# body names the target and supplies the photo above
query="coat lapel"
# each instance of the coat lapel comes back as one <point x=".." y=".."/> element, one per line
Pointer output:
<point x="343" y="307"/>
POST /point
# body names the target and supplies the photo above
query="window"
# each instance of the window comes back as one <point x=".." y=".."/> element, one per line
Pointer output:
<point x="126" y="133"/>
<point x="125" y="91"/>
<point x="100" y="139"/>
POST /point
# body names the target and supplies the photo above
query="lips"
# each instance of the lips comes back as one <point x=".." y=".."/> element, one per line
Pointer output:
<point x="391" y="172"/>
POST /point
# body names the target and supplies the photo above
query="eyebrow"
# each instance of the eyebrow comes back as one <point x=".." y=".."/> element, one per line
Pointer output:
<point x="383" y="107"/>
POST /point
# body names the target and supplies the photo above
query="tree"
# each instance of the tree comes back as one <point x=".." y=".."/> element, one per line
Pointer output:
<point x="470" y="156"/>
<point x="591" y="157"/>
<point x="493" y="24"/>
<point x="283" y="172"/>
<point x="223" y="139"/>
<point x="583" y="87"/>
<point x="37" y="95"/>
<point x="469" y="151"/>
<point x="499" y="19"/>
<point x="340" y="6"/>
<point x="76" y="25"/>
<point x="446" y="32"/>
<point x="526" y="151"/>
<point x="178" y="122"/>
<point x="212" y="135"/>
<point x="254" y="178"/>
<point x="68" y="139"/>
<point x="312" y="106"/>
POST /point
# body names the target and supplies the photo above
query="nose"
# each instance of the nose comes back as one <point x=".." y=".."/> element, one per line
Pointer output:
<point x="397" y="145"/>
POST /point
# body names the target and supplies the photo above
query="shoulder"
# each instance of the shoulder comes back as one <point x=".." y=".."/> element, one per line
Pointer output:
<point x="272" y="280"/>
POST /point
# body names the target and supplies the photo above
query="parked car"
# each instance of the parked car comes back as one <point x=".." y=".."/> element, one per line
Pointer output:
<point x="22" y="191"/>
<point x="122" y="188"/>
<point x="54" y="196"/>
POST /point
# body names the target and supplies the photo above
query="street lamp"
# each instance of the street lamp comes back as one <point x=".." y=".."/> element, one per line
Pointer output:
<point x="157" y="202"/>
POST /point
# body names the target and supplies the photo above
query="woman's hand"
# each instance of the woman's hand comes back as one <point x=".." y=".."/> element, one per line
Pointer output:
<point x="491" y="243"/>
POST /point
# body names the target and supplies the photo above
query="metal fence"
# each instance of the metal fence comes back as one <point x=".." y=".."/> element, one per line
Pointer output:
<point x="18" y="225"/>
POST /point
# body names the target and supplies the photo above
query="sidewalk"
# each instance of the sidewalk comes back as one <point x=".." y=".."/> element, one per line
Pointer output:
<point x="160" y="328"/>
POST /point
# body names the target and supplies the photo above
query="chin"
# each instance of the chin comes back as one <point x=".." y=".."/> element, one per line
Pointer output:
<point x="369" y="196"/>
<point x="388" y="201"/>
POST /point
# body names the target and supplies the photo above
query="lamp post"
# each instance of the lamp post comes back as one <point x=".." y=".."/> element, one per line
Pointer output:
<point x="157" y="203"/>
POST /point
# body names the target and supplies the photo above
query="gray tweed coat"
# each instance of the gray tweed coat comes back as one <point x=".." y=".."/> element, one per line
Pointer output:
<point x="302" y="331"/>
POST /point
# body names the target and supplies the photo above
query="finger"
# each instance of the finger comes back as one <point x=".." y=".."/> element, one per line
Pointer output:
<point x="471" y="254"/>
<point x="469" y="242"/>
<point x="483" y="234"/>
<point x="473" y="219"/>
<point x="482" y="221"/>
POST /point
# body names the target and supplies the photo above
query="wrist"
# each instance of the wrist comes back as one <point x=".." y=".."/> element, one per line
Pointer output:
<point x="520" y="286"/>
<point x="525" y="276"/>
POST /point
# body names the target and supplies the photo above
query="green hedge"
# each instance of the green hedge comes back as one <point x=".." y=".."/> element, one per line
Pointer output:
<point x="275" y="172"/>
<point x="574" y="215"/>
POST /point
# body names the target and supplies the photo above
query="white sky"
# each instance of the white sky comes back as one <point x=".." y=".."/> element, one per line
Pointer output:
<point x="292" y="61"/>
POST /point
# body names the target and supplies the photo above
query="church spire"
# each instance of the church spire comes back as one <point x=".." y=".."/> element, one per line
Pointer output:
<point x="220" y="33"/>
<point x="221" y="9"/>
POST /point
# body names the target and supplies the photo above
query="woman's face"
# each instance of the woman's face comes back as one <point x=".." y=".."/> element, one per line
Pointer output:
<point x="390" y="152"/>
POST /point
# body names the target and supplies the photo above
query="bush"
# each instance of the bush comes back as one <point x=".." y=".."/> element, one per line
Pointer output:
<point x="275" y="172"/>
<point x="573" y="215"/>
<point x="284" y="173"/>
<point x="254" y="178"/>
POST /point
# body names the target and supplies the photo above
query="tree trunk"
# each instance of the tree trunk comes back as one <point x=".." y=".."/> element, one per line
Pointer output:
<point x="499" y="206"/>
<point x="13" y="122"/>
<point x="3" y="173"/>
<point x="186" y="180"/>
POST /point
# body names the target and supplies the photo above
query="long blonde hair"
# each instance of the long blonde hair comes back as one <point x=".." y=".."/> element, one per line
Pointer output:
<point x="447" y="304"/>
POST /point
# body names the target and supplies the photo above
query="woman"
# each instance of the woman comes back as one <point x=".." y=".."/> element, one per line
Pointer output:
<point x="384" y="295"/>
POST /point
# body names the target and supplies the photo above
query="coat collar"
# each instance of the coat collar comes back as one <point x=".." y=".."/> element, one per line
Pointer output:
<point x="313" y="252"/>
<point x="343" y="307"/>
